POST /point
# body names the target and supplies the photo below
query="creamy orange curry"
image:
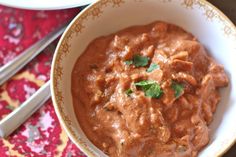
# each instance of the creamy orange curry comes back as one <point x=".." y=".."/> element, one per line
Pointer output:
<point x="147" y="91"/>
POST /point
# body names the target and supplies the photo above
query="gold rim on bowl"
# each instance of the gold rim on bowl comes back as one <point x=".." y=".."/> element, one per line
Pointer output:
<point x="76" y="26"/>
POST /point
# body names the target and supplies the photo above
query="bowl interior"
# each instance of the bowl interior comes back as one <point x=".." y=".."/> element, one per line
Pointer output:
<point x="210" y="26"/>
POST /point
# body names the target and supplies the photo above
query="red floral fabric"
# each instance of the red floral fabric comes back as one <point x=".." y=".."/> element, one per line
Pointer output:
<point x="41" y="135"/>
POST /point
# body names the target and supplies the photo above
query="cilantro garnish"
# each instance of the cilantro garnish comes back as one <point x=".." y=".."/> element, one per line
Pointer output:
<point x="128" y="92"/>
<point x="178" y="88"/>
<point x="128" y="62"/>
<point x="144" y="84"/>
<point x="138" y="61"/>
<point x="152" y="67"/>
<point x="154" y="91"/>
<point x="150" y="88"/>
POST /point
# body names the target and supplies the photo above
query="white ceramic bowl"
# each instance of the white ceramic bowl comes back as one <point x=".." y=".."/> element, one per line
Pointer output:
<point x="207" y="23"/>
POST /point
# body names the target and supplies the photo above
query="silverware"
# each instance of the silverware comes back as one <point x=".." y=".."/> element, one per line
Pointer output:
<point x="12" y="121"/>
<point x="11" y="68"/>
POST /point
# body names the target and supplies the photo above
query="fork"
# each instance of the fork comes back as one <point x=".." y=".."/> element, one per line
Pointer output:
<point x="13" y="120"/>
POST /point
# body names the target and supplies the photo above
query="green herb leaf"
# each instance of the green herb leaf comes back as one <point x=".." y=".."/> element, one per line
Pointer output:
<point x="128" y="92"/>
<point x="144" y="84"/>
<point x="178" y="88"/>
<point x="140" y="61"/>
<point x="152" y="67"/>
<point x="150" y="88"/>
<point x="128" y="62"/>
<point x="154" y="91"/>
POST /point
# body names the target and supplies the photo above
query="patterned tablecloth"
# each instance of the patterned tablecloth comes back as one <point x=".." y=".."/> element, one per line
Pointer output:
<point x="41" y="135"/>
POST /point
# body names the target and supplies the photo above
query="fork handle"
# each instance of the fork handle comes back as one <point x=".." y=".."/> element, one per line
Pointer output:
<point x="12" y="121"/>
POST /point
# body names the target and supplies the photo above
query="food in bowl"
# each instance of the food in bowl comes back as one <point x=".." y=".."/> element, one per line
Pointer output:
<point x="147" y="91"/>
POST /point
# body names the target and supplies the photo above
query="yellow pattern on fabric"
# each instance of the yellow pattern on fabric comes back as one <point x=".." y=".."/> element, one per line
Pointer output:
<point x="11" y="151"/>
<point x="24" y="75"/>
<point x="30" y="77"/>
<point x="64" y="138"/>
<point x="4" y="96"/>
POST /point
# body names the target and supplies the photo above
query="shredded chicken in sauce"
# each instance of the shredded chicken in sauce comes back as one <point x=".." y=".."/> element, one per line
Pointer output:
<point x="147" y="91"/>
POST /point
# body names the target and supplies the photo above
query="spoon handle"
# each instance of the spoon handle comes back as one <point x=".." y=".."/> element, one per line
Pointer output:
<point x="12" y="67"/>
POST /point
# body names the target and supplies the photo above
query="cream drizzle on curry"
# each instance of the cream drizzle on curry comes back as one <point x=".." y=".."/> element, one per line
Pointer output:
<point x="147" y="91"/>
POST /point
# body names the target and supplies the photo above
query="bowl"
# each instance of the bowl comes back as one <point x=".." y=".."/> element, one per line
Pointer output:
<point x="212" y="28"/>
